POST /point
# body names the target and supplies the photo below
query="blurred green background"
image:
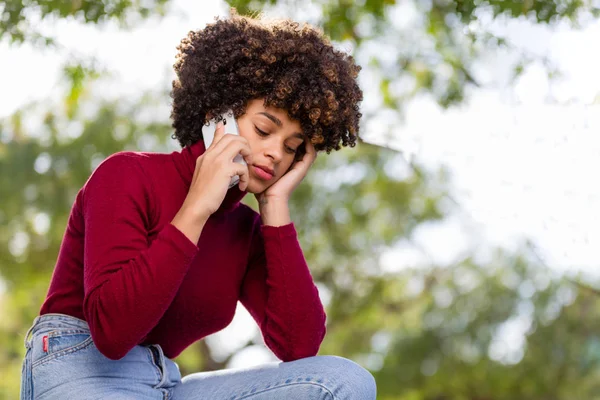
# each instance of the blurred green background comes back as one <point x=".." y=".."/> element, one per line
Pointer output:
<point x="427" y="332"/>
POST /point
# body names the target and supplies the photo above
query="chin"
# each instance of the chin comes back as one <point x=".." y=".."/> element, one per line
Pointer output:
<point x="257" y="186"/>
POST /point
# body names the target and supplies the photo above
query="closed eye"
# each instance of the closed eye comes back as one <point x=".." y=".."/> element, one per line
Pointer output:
<point x="261" y="133"/>
<point x="264" y="134"/>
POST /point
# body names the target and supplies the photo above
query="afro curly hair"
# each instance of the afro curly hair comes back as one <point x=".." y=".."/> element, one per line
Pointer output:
<point x="293" y="67"/>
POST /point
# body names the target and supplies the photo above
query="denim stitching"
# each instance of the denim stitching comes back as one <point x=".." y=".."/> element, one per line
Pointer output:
<point x="55" y="329"/>
<point x="155" y="369"/>
<point x="288" y="384"/>
<point x="86" y="343"/>
<point x="163" y="365"/>
<point x="26" y="378"/>
<point x="58" y="333"/>
<point x="43" y="319"/>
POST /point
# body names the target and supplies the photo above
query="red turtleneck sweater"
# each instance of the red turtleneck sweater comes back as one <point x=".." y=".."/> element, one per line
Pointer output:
<point x="136" y="279"/>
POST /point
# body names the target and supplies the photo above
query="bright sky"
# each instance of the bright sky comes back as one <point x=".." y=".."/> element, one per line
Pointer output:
<point x="521" y="167"/>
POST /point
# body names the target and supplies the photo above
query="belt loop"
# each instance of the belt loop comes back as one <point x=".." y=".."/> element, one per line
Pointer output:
<point x="25" y="342"/>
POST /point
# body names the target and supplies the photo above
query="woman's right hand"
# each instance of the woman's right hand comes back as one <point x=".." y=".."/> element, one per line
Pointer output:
<point x="210" y="182"/>
<point x="214" y="170"/>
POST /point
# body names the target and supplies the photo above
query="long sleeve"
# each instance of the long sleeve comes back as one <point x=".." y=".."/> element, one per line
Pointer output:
<point x="128" y="282"/>
<point x="280" y="294"/>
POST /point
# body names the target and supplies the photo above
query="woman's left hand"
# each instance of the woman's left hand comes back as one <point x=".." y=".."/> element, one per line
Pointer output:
<point x="282" y="189"/>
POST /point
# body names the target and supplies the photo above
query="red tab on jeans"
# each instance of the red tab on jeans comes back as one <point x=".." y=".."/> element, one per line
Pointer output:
<point x="45" y="341"/>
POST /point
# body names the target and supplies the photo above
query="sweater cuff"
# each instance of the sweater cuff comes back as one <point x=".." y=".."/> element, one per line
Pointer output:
<point x="181" y="242"/>
<point x="278" y="232"/>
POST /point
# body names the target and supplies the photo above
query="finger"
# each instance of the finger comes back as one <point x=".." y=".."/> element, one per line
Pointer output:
<point x="309" y="155"/>
<point x="235" y="146"/>
<point x="219" y="133"/>
<point x="310" y="150"/>
<point x="241" y="171"/>
<point x="227" y="140"/>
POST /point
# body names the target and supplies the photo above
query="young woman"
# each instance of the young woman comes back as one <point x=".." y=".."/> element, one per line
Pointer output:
<point x="158" y="250"/>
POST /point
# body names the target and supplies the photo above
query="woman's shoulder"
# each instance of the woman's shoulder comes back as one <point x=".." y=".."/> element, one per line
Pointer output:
<point x="128" y="163"/>
<point x="128" y="158"/>
<point x="126" y="170"/>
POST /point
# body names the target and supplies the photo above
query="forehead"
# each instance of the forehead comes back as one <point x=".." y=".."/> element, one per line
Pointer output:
<point x="279" y="116"/>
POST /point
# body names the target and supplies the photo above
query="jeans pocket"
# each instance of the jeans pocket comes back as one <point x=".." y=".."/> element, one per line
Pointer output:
<point x="58" y="343"/>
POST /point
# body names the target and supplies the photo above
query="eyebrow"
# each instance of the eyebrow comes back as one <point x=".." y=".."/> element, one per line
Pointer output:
<point x="277" y="122"/>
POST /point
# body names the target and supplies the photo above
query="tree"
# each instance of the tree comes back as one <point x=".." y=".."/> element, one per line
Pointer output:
<point x="19" y="19"/>
<point x="429" y="47"/>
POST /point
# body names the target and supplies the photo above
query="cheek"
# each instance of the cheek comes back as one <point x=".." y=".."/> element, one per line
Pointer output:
<point x="244" y="133"/>
<point x="287" y="163"/>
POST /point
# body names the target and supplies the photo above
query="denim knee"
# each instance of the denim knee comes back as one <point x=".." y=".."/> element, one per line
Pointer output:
<point x="355" y="382"/>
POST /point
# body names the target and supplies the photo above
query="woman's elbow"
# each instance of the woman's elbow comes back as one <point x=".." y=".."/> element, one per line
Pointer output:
<point x="295" y="351"/>
<point x="106" y="340"/>
<point x="108" y="348"/>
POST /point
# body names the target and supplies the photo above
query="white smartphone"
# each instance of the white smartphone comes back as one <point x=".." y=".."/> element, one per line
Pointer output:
<point x="231" y="126"/>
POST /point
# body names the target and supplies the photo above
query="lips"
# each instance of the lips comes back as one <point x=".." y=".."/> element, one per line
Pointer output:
<point x="266" y="169"/>
<point x="263" y="172"/>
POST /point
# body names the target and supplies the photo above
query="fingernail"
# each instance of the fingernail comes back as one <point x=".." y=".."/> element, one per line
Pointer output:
<point x="220" y="124"/>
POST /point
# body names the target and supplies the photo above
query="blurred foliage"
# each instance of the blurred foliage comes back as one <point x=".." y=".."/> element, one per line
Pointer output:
<point x="19" y="19"/>
<point x="496" y="324"/>
<point x="428" y="46"/>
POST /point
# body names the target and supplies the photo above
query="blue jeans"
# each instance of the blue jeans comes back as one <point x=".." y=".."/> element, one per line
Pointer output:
<point x="62" y="362"/>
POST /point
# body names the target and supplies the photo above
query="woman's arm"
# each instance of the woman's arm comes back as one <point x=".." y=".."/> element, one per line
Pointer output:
<point x="128" y="282"/>
<point x="279" y="292"/>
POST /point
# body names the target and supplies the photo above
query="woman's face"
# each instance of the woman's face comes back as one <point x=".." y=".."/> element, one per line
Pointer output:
<point x="274" y="139"/>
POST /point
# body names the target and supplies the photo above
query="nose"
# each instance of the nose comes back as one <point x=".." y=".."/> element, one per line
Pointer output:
<point x="274" y="151"/>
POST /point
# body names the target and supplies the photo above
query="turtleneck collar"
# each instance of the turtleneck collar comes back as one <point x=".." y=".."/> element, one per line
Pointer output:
<point x="185" y="162"/>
